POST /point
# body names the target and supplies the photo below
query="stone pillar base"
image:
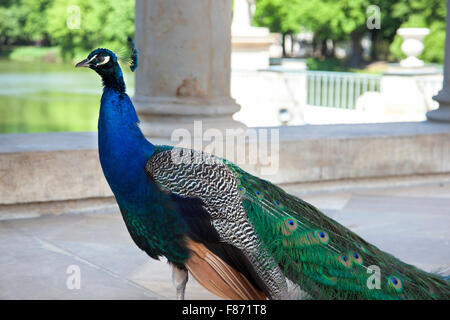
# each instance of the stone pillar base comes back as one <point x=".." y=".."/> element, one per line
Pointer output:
<point x="441" y="114"/>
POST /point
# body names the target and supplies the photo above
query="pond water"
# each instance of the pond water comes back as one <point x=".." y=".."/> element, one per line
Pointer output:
<point x="45" y="97"/>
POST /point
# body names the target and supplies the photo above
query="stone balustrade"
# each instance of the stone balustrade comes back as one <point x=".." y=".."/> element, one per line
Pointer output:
<point x="60" y="172"/>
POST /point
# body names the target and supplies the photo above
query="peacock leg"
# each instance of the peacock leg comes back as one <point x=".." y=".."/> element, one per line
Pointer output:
<point x="179" y="279"/>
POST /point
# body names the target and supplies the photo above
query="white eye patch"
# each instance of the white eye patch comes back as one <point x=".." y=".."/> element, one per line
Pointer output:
<point x="105" y="60"/>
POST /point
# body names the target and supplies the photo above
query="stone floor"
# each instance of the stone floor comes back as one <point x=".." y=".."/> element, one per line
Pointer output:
<point x="409" y="222"/>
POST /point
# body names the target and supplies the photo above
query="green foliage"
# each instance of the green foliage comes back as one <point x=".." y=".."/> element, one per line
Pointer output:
<point x="103" y="23"/>
<point x="12" y="20"/>
<point x="349" y="16"/>
<point x="338" y="20"/>
<point x="36" y="20"/>
<point x="325" y="64"/>
<point x="435" y="43"/>
<point x="418" y="13"/>
<point x="277" y="15"/>
<point x="328" y="19"/>
<point x="47" y="54"/>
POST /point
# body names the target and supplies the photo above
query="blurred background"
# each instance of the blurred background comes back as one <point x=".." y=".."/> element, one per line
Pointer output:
<point x="311" y="62"/>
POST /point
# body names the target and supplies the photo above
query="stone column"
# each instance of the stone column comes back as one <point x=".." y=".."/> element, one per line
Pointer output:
<point x="184" y="65"/>
<point x="443" y="97"/>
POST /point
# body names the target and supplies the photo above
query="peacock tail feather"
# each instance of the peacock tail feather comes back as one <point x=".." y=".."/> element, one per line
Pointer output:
<point x="323" y="257"/>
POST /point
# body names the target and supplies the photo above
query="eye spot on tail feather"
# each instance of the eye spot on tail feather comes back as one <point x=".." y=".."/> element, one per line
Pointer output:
<point x="289" y="226"/>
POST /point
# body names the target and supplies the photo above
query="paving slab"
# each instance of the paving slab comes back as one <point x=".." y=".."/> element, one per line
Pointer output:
<point x="32" y="268"/>
<point x="37" y="253"/>
<point x="435" y="190"/>
<point x="411" y="223"/>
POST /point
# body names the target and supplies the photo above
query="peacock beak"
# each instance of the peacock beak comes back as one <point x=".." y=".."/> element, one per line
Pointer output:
<point x="84" y="63"/>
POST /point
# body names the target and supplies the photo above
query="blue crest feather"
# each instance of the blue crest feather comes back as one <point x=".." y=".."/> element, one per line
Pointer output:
<point x="134" y="55"/>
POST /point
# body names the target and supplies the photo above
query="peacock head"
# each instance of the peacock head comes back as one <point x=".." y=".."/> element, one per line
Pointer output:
<point x="102" y="61"/>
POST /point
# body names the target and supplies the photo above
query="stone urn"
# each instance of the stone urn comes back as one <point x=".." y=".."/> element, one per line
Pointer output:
<point x="412" y="46"/>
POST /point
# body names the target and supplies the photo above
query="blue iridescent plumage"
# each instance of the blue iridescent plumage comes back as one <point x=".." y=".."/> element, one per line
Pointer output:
<point x="124" y="152"/>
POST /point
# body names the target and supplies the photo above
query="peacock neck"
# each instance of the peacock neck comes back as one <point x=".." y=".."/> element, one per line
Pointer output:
<point x="115" y="82"/>
<point x="123" y="149"/>
<point x="113" y="78"/>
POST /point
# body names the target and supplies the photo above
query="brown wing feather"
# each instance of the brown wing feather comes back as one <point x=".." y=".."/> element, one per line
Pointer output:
<point x="218" y="277"/>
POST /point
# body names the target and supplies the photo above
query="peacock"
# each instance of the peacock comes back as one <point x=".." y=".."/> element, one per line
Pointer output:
<point x="239" y="236"/>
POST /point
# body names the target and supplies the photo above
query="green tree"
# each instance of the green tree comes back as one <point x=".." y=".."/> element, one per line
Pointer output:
<point x="12" y="19"/>
<point x="44" y="22"/>
<point x="338" y="21"/>
<point x="36" y="20"/>
<point x="383" y="37"/>
<point x="102" y="23"/>
<point x="327" y="19"/>
<point x="318" y="16"/>
<point x="346" y="21"/>
<point x="279" y="16"/>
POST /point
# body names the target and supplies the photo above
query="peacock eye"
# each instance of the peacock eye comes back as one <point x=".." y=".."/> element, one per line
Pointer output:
<point x="102" y="60"/>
